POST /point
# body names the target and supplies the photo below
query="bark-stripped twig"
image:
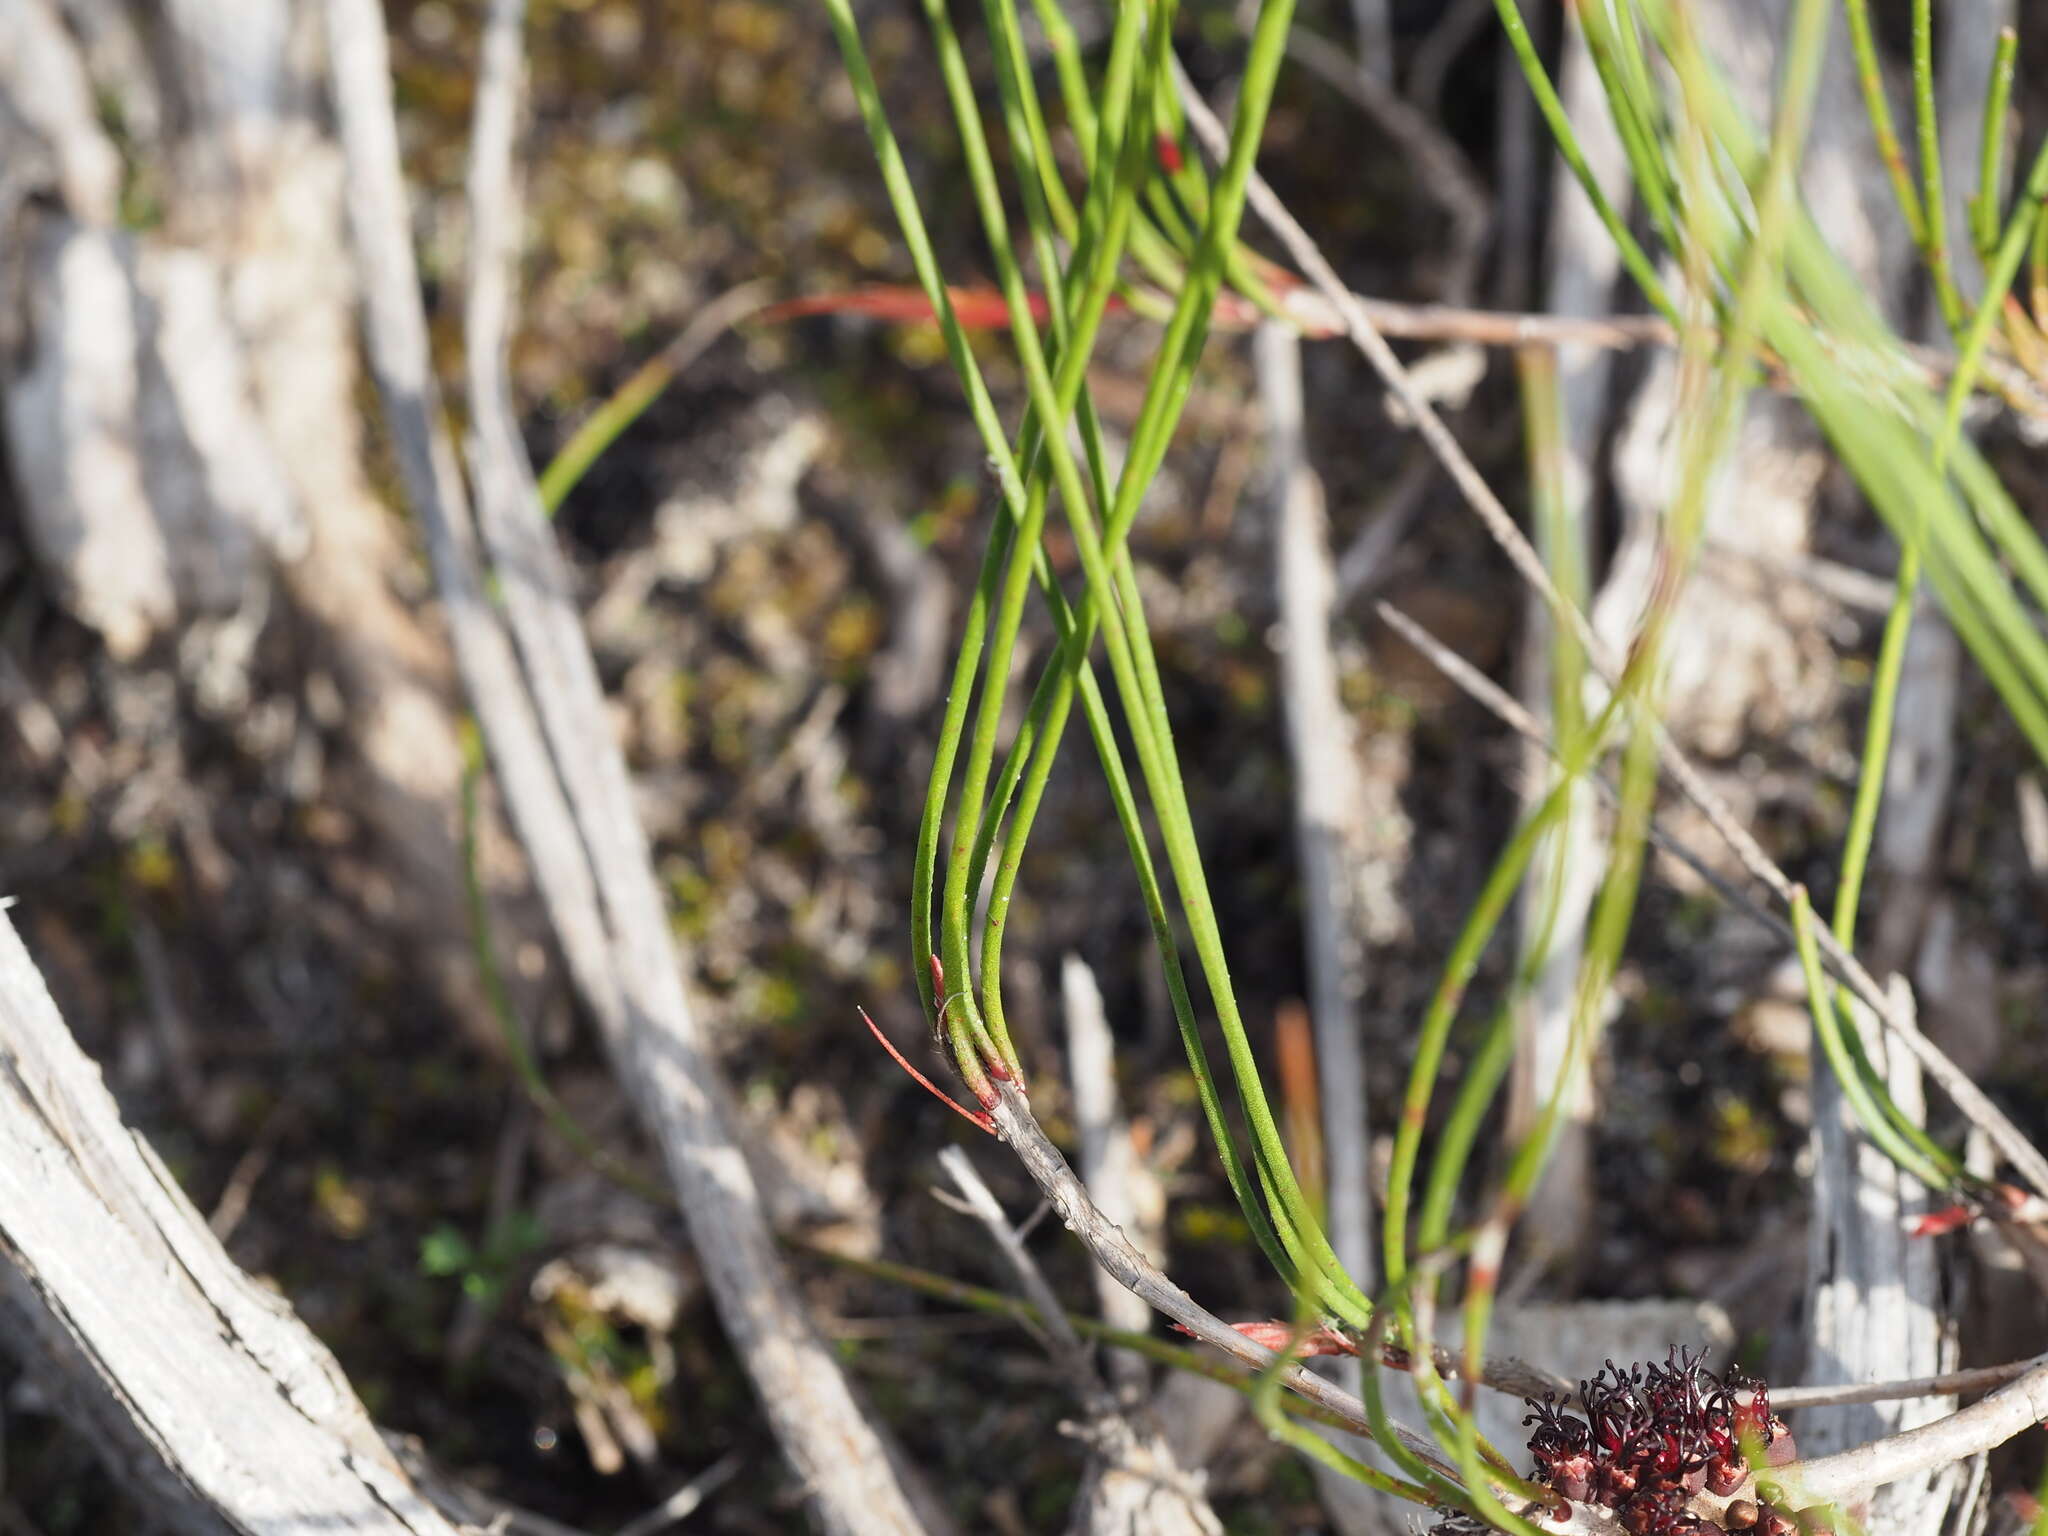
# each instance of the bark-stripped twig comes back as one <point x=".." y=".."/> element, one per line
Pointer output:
<point x="1975" y="1379"/>
<point x="1990" y="1422"/>
<point x="1106" y="1242"/>
<point x="1326" y="802"/>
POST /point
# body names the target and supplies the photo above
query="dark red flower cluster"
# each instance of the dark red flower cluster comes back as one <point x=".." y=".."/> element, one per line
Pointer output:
<point x="1653" y="1436"/>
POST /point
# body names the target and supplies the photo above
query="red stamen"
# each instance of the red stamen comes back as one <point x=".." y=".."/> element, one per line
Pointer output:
<point x="975" y="1117"/>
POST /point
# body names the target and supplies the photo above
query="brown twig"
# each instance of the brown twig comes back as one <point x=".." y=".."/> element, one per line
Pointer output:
<point x="1116" y="1253"/>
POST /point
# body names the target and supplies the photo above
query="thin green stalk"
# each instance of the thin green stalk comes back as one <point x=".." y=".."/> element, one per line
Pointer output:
<point x="1998" y="280"/>
<point x="1113" y="593"/>
<point x="624" y="406"/>
<point x="1386" y="1307"/>
<point x="1632" y="255"/>
<point x="1755" y="291"/>
<point x="1031" y="154"/>
<point x="1460" y="1134"/>
<point x="932" y="819"/>
<point x="1148" y="247"/>
<point x="1035" y="371"/>
<point x="1440" y="1411"/>
<point x="896" y="181"/>
<point x="2003" y="267"/>
<point x="1188" y="186"/>
<point x="1877" y="737"/>
<point x="1991" y="146"/>
<point x="1606" y="937"/>
<point x="1009" y="609"/>
<point x="1767" y="306"/>
<point x="1135" y="668"/>
<point x="1828" y="1026"/>
<point x="1877" y="107"/>
<point x="1268" y="1405"/>
<point x="1928" y="135"/>
<point x="1760" y="277"/>
<point x="1616" y="52"/>
<point x="2037" y="274"/>
<point x="1010" y="484"/>
<point x="965" y="1024"/>
<point x="1433" y="1038"/>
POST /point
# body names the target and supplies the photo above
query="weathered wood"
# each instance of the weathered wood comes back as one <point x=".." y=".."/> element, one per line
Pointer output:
<point x="199" y="1386"/>
<point x="1333" y="859"/>
<point x="537" y="694"/>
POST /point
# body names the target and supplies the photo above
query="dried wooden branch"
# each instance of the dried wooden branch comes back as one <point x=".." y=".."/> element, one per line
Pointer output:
<point x="200" y="1388"/>
<point x="1326" y="802"/>
<point x="1115" y="1253"/>
<point x="552" y="745"/>
<point x="1331" y="857"/>
<point x="1106" y="1242"/>
<point x="1126" y="1191"/>
<point x="1990" y="1422"/>
<point x="1975" y="1379"/>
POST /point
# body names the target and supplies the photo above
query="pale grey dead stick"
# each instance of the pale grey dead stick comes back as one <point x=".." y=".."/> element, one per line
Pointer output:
<point x="199" y="1388"/>
<point x="620" y="961"/>
<point x="1975" y="1379"/>
<point x="817" y="1420"/>
<point x="1065" y="1345"/>
<point x="1319" y="318"/>
<point x="1371" y="21"/>
<point x="1111" y="1169"/>
<point x="1991" y="1422"/>
<point x="1484" y="327"/>
<point x="1327" y="800"/>
<point x="681" y="1504"/>
<point x="1500" y="525"/>
<point x="395" y="337"/>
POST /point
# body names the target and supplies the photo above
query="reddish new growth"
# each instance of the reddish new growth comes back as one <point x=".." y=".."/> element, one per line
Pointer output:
<point x="1652" y="1438"/>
